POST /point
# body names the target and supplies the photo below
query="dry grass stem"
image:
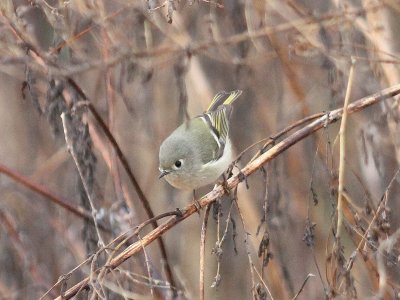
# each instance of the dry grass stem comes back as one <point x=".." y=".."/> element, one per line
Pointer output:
<point x="342" y="151"/>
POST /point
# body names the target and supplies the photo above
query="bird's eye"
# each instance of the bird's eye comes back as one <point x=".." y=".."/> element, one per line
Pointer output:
<point x="178" y="163"/>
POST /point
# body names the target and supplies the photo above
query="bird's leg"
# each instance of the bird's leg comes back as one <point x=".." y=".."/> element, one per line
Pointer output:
<point x="178" y="213"/>
<point x="243" y="177"/>
<point x="196" y="203"/>
<point x="223" y="182"/>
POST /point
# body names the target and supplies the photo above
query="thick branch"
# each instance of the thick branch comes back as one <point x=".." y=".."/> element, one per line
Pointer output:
<point x="254" y="165"/>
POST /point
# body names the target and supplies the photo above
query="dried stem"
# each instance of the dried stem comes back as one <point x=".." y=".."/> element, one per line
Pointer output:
<point x="302" y="286"/>
<point x="202" y="250"/>
<point x="78" y="166"/>
<point x="342" y="153"/>
<point x="246" y="243"/>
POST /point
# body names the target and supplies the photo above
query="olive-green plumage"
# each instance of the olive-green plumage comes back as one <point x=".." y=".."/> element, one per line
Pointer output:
<point x="199" y="150"/>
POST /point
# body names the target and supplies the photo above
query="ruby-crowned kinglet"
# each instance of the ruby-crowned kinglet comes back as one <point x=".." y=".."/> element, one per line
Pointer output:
<point x="199" y="151"/>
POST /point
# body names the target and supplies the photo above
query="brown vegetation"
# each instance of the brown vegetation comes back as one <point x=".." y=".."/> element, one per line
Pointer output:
<point x="89" y="89"/>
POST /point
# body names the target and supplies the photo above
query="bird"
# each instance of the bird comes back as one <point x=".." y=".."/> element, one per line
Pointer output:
<point x="199" y="151"/>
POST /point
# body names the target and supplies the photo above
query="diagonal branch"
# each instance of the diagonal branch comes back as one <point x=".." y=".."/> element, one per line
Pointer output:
<point x="51" y="196"/>
<point x="250" y="168"/>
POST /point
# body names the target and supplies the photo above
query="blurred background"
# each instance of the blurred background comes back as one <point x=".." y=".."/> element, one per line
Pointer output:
<point x="144" y="67"/>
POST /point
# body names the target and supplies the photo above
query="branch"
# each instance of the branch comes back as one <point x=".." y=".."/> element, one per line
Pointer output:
<point x="250" y="168"/>
<point x="45" y="192"/>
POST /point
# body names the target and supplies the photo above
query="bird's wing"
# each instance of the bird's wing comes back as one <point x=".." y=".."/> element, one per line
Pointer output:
<point x="217" y="118"/>
<point x="218" y="123"/>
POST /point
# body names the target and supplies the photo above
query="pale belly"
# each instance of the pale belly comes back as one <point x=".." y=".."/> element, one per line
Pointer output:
<point x="207" y="175"/>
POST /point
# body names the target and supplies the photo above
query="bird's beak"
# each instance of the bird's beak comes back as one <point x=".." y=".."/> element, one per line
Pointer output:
<point x="163" y="173"/>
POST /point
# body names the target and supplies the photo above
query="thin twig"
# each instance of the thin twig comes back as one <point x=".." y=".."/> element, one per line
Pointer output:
<point x="42" y="190"/>
<point x="98" y="289"/>
<point x="217" y="249"/>
<point x="246" y="236"/>
<point x="62" y="279"/>
<point x="225" y="233"/>
<point x="303" y="285"/>
<point x="22" y="252"/>
<point x="143" y="280"/>
<point x="148" y="267"/>
<point x="263" y="282"/>
<point x="249" y="169"/>
<point x="386" y="245"/>
<point x="78" y="166"/>
<point x="272" y="139"/>
<point x="363" y="239"/>
<point x="202" y="250"/>
<point x="311" y="245"/>
<point x="111" y="101"/>
<point x="124" y="162"/>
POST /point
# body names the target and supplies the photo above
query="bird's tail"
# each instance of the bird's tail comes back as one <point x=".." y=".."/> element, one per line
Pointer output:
<point x="223" y="98"/>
